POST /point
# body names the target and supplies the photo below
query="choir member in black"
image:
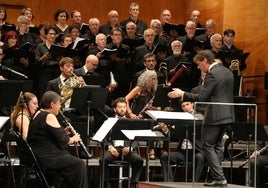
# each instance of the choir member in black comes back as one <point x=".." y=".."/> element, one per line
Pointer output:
<point x="48" y="68"/>
<point x="121" y="149"/>
<point x="112" y="23"/>
<point x="216" y="43"/>
<point x="42" y="35"/>
<point x="104" y="67"/>
<point x="4" y="25"/>
<point x="94" y="25"/>
<point x="138" y="56"/>
<point x="76" y="18"/>
<point x="120" y="61"/>
<point x="134" y="10"/>
<point x="32" y="27"/>
<point x="61" y="17"/>
<point x="159" y="40"/>
<point x="183" y="80"/>
<point x="195" y="17"/>
<point x="1" y="57"/>
<point x="236" y="53"/>
<point x="49" y="141"/>
<point x="149" y="63"/>
<point x="190" y="47"/>
<point x="205" y="38"/>
<point x="13" y="58"/>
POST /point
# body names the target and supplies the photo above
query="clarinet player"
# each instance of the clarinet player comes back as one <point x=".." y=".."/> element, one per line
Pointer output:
<point x="49" y="141"/>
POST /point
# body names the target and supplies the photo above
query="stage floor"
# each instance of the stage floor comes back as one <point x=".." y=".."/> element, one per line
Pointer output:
<point x="178" y="185"/>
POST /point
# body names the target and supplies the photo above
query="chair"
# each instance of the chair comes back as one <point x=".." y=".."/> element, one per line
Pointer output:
<point x="121" y="165"/>
<point x="30" y="168"/>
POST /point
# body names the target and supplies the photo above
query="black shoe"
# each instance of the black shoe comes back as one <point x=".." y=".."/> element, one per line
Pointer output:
<point x="216" y="183"/>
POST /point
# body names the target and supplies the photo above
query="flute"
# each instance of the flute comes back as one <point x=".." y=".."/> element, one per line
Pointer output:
<point x="260" y="151"/>
<point x="73" y="131"/>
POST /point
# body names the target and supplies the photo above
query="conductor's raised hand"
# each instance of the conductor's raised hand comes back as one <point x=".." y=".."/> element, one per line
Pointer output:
<point x="176" y="93"/>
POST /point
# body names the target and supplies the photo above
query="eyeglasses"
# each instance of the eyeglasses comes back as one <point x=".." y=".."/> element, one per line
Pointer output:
<point x="52" y="34"/>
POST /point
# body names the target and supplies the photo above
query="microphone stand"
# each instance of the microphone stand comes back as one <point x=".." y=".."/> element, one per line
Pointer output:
<point x="13" y="71"/>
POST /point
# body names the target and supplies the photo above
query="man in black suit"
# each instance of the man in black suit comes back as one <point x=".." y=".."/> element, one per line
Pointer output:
<point x="117" y="149"/>
<point x="218" y="87"/>
<point x="90" y="66"/>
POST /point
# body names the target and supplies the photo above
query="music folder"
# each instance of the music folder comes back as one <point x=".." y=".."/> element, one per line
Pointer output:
<point x="180" y="28"/>
<point x="133" y="43"/>
<point x="107" y="51"/>
<point x="84" y="28"/>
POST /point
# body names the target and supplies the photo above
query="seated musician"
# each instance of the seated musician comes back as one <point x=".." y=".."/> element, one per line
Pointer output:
<point x="49" y="140"/>
<point x="261" y="163"/>
<point x="180" y="154"/>
<point x="120" y="149"/>
<point x="21" y="116"/>
<point x="58" y="84"/>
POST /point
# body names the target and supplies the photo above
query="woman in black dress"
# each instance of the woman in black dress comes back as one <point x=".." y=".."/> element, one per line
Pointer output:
<point x="49" y="142"/>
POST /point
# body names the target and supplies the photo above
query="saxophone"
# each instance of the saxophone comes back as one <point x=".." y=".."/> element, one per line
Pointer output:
<point x="68" y="86"/>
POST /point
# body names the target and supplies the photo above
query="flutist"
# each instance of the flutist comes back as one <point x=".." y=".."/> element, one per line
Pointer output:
<point x="261" y="161"/>
<point x="49" y="141"/>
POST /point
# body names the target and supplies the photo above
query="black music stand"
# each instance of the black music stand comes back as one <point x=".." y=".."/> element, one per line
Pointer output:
<point x="85" y="99"/>
<point x="9" y="92"/>
<point x="163" y="101"/>
<point x="94" y="79"/>
<point x="245" y="131"/>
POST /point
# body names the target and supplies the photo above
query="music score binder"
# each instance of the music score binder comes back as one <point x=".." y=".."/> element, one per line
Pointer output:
<point x="180" y="28"/>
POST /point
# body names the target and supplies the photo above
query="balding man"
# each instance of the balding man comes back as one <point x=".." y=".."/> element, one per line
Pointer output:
<point x="112" y="23"/>
<point x="90" y="66"/>
<point x="195" y="17"/>
<point x="94" y="25"/>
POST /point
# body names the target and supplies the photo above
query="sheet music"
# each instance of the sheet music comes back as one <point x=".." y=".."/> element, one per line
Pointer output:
<point x="169" y="115"/>
<point x="78" y="39"/>
<point x="3" y="120"/>
<point x="104" y="129"/>
<point x="131" y="134"/>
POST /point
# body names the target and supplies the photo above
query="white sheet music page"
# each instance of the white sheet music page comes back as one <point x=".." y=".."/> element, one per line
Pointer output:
<point x="130" y="134"/>
<point x="156" y="114"/>
<point x="3" y="120"/>
<point x="104" y="129"/>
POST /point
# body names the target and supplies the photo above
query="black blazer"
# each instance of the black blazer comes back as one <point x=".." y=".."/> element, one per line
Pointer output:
<point x="53" y="85"/>
<point x="218" y="87"/>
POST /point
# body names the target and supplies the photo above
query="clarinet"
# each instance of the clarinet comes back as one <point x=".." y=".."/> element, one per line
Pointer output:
<point x="68" y="124"/>
<point x="176" y="75"/>
<point x="260" y="151"/>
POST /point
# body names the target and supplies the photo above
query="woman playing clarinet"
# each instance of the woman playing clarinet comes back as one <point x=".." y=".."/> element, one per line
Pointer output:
<point x="49" y="141"/>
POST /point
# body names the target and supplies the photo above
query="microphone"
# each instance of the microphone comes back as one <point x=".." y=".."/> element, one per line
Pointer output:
<point x="13" y="71"/>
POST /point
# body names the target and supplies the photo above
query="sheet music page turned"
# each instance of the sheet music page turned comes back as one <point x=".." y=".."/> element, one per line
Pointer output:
<point x="3" y="120"/>
<point x="154" y="114"/>
<point x="131" y="134"/>
<point x="104" y="129"/>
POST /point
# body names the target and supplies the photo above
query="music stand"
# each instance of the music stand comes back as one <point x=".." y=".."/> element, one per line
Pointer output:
<point x="163" y="101"/>
<point x="85" y="99"/>
<point x="94" y="79"/>
<point x="9" y="92"/>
